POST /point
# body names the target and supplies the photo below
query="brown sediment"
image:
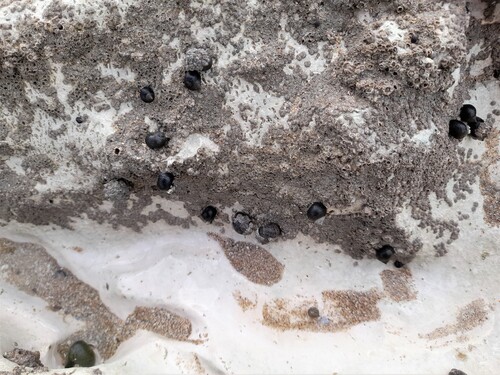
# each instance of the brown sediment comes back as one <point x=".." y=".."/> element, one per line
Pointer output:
<point x="244" y="302"/>
<point x="286" y="314"/>
<point x="342" y="309"/>
<point x="34" y="271"/>
<point x="161" y="321"/>
<point x="398" y="284"/>
<point x="354" y="307"/>
<point x="198" y="366"/>
<point x="469" y="317"/>
<point x="252" y="261"/>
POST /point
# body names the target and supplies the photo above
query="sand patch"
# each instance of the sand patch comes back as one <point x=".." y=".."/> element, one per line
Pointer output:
<point x="342" y="309"/>
<point x="469" y="317"/>
<point x="252" y="261"/>
<point x="398" y="284"/>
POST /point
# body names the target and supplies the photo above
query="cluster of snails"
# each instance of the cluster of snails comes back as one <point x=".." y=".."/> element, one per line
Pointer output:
<point x="468" y="124"/>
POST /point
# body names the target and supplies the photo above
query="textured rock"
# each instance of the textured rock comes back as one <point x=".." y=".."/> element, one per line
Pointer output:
<point x="332" y="101"/>
<point x="24" y="358"/>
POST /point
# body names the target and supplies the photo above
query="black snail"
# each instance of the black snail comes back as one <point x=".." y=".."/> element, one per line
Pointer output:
<point x="165" y="181"/>
<point x="156" y="140"/>
<point x="242" y="223"/>
<point x="458" y="129"/>
<point x="147" y="94"/>
<point x="385" y="253"/>
<point x="208" y="214"/>
<point x="192" y="80"/>
<point x="316" y="211"/>
<point x="270" y="230"/>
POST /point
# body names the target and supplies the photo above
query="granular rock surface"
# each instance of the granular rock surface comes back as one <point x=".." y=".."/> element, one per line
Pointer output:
<point x="342" y="102"/>
<point x="24" y="357"/>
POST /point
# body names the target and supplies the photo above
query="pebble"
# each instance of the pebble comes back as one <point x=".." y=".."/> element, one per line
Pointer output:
<point x="324" y="321"/>
<point x="398" y="264"/>
<point x="313" y="312"/>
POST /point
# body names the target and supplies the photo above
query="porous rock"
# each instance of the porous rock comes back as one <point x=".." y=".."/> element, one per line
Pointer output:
<point x="303" y="103"/>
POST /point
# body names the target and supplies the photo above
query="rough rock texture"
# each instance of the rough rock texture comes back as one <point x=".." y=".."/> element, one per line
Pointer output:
<point x="24" y="357"/>
<point x="341" y="102"/>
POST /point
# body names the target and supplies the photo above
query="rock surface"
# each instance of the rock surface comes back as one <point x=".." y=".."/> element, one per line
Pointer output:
<point x="24" y="358"/>
<point x="346" y="103"/>
<point x="335" y="101"/>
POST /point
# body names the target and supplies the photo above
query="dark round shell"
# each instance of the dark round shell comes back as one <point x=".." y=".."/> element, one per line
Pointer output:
<point x="80" y="354"/>
<point x="165" y="181"/>
<point x="156" y="140"/>
<point x="316" y="211"/>
<point x="468" y="113"/>
<point x="270" y="230"/>
<point x="192" y="80"/>
<point x="458" y="129"/>
<point x="208" y="214"/>
<point x="313" y="312"/>
<point x="147" y="94"/>
<point x="385" y="253"/>
<point x="242" y="223"/>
